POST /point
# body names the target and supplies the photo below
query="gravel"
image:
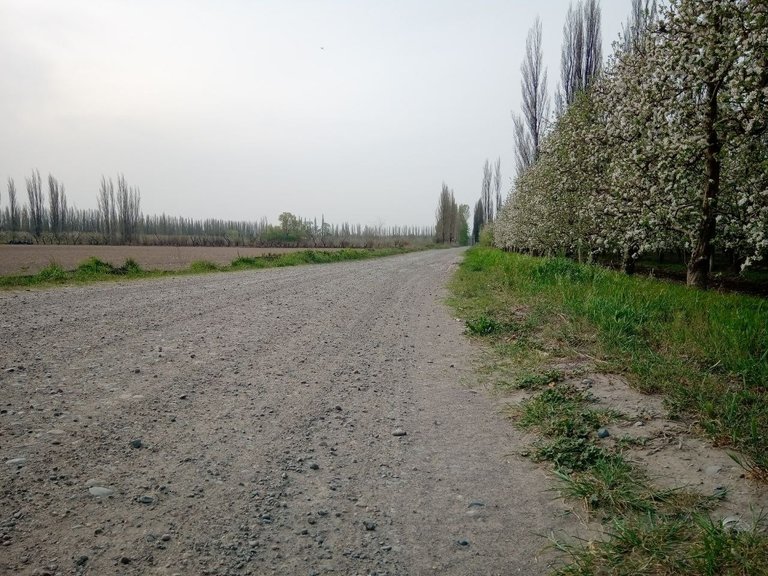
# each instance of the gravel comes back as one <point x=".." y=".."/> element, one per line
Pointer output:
<point x="240" y="374"/>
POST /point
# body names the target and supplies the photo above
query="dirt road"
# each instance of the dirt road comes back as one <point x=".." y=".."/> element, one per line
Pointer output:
<point x="313" y="420"/>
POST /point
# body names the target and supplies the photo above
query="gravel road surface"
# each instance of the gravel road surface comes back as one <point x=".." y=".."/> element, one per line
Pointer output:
<point x="311" y="420"/>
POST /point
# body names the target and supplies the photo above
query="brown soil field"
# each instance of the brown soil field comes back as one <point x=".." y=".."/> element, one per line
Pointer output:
<point x="22" y="259"/>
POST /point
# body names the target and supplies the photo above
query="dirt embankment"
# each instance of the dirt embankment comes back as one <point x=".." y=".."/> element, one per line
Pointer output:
<point x="313" y="420"/>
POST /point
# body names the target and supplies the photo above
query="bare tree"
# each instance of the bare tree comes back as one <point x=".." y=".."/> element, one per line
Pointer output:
<point x="641" y="15"/>
<point x="486" y="193"/>
<point x="36" y="207"/>
<point x="524" y="154"/>
<point x="57" y="206"/>
<point x="13" y="207"/>
<point x="497" y="184"/>
<point x="582" y="51"/>
<point x="128" y="208"/>
<point x="529" y="128"/>
<point x="105" y="200"/>
<point x="593" y="42"/>
<point x="63" y="209"/>
<point x="534" y="87"/>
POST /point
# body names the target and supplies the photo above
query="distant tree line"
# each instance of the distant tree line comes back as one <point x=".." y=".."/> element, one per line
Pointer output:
<point x="47" y="218"/>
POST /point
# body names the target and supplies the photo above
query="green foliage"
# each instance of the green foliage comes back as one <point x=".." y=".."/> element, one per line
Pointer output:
<point x="664" y="335"/>
<point x="534" y="381"/>
<point x="131" y="267"/>
<point x="464" y="232"/>
<point x="486" y="236"/>
<point x="665" y="546"/>
<point x="569" y="453"/>
<point x="202" y="266"/>
<point x="482" y="325"/>
<point x="51" y="273"/>
<point x="555" y="271"/>
<point x="94" y="266"/>
<point x="708" y="352"/>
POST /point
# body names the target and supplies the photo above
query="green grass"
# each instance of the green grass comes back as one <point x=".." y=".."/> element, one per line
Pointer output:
<point x="705" y="351"/>
<point x="659" y="546"/>
<point x="95" y="270"/>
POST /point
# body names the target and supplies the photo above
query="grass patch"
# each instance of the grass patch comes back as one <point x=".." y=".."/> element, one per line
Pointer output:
<point x="562" y="411"/>
<point x="706" y="352"/>
<point x="658" y="546"/>
<point x="95" y="270"/>
<point x="537" y="380"/>
<point x="203" y="266"/>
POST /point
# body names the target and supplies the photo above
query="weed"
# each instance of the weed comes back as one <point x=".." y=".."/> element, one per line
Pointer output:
<point x="93" y="267"/>
<point x="131" y="267"/>
<point x="51" y="273"/>
<point x="666" y="546"/>
<point x="534" y="381"/>
<point x="562" y="411"/>
<point x="202" y="266"/>
<point x="482" y="325"/>
<point x="569" y="453"/>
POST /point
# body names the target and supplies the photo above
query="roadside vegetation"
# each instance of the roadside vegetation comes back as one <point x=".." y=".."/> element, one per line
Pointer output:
<point x="705" y="352"/>
<point x="660" y="153"/>
<point x="95" y="270"/>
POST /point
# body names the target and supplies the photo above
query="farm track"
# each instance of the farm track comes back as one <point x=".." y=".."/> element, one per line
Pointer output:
<point x="265" y="403"/>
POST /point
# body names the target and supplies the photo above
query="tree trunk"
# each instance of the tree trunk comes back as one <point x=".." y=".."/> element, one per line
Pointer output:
<point x="628" y="260"/>
<point x="698" y="265"/>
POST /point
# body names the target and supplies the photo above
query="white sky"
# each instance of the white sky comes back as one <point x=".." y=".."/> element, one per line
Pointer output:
<point x="239" y="109"/>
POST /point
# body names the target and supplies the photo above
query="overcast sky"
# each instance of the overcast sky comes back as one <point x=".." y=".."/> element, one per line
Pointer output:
<point x="238" y="109"/>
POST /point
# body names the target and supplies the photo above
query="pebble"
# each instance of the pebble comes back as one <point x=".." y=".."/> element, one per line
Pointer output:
<point x="81" y="560"/>
<point x="720" y="492"/>
<point x="165" y="537"/>
<point x="100" y="491"/>
<point x="145" y="499"/>
<point x="369" y="525"/>
<point x="136" y="443"/>
<point x="603" y="433"/>
<point x="16" y="461"/>
<point x="639" y="423"/>
<point x="399" y="432"/>
<point x="463" y="542"/>
<point x="314" y="466"/>
<point x="733" y="523"/>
